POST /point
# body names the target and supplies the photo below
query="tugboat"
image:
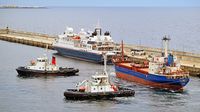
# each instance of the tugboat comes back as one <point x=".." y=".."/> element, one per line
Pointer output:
<point x="42" y="67"/>
<point x="97" y="88"/>
<point x="161" y="72"/>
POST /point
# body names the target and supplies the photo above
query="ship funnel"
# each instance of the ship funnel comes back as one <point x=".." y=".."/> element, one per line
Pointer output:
<point x="53" y="61"/>
<point x="98" y="31"/>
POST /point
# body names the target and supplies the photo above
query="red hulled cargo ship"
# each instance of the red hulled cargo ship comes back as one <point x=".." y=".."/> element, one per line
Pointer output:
<point x="159" y="71"/>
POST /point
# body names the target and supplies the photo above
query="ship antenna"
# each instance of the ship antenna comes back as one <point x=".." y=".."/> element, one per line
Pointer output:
<point x="122" y="50"/>
<point x="47" y="48"/>
<point x="98" y="24"/>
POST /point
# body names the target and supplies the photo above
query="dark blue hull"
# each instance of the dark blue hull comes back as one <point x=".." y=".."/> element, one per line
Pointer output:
<point x="82" y="55"/>
<point x="153" y="80"/>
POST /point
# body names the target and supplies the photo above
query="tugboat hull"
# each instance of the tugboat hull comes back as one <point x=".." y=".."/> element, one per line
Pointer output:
<point x="73" y="94"/>
<point x="22" y="71"/>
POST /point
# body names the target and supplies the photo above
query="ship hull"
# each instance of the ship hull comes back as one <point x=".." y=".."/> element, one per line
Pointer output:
<point x="23" y="72"/>
<point x="156" y="81"/>
<point x="73" y="94"/>
<point x="81" y="55"/>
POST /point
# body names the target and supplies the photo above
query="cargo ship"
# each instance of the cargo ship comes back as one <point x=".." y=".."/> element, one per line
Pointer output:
<point x="161" y="72"/>
<point x="87" y="46"/>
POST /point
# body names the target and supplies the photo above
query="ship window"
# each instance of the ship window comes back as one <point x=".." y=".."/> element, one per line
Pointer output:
<point x="39" y="67"/>
<point x="94" y="88"/>
<point x="42" y="67"/>
<point x="101" y="88"/>
<point x="91" y="42"/>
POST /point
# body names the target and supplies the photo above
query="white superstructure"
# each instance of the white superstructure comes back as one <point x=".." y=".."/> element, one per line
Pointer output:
<point x="95" y="42"/>
<point x="98" y="82"/>
<point x="43" y="64"/>
<point x="167" y="64"/>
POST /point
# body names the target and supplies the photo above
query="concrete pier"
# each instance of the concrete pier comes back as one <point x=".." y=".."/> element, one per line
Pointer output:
<point x="28" y="38"/>
<point x="189" y="61"/>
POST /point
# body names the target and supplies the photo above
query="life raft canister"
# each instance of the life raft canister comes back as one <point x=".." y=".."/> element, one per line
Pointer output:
<point x="32" y="62"/>
<point x="77" y="38"/>
<point x="82" y="88"/>
<point x="114" y="87"/>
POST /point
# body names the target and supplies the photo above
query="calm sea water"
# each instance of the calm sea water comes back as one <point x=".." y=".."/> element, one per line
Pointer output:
<point x="134" y="25"/>
<point x="46" y="94"/>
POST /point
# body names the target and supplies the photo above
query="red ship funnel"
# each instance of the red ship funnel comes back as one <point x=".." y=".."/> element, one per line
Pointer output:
<point x="53" y="61"/>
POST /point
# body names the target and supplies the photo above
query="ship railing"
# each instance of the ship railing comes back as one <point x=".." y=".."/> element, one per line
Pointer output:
<point x="177" y="74"/>
<point x="119" y="59"/>
<point x="81" y="83"/>
<point x="138" y="65"/>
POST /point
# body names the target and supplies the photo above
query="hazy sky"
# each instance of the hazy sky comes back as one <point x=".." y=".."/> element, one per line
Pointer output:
<point x="114" y="3"/>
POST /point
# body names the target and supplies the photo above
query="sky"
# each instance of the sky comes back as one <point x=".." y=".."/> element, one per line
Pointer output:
<point x="104" y="3"/>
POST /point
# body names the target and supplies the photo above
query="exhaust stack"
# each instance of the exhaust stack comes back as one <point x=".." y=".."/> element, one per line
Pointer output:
<point x="53" y="61"/>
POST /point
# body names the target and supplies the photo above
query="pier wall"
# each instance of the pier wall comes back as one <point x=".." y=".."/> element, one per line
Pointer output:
<point x="28" y="38"/>
<point x="183" y="56"/>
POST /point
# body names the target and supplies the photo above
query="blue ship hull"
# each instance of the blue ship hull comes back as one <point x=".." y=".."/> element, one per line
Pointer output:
<point x="157" y="81"/>
<point x="81" y="55"/>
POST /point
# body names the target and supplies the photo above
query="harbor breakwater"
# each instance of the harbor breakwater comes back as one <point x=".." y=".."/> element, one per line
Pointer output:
<point x="28" y="38"/>
<point x="189" y="61"/>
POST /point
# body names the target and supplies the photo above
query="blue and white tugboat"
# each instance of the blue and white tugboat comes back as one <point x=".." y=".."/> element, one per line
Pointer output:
<point x="99" y="87"/>
<point x="42" y="67"/>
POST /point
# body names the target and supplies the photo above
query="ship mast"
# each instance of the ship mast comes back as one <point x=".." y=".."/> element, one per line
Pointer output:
<point x="105" y="63"/>
<point x="45" y="55"/>
<point x="165" y="41"/>
<point x="122" y="50"/>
